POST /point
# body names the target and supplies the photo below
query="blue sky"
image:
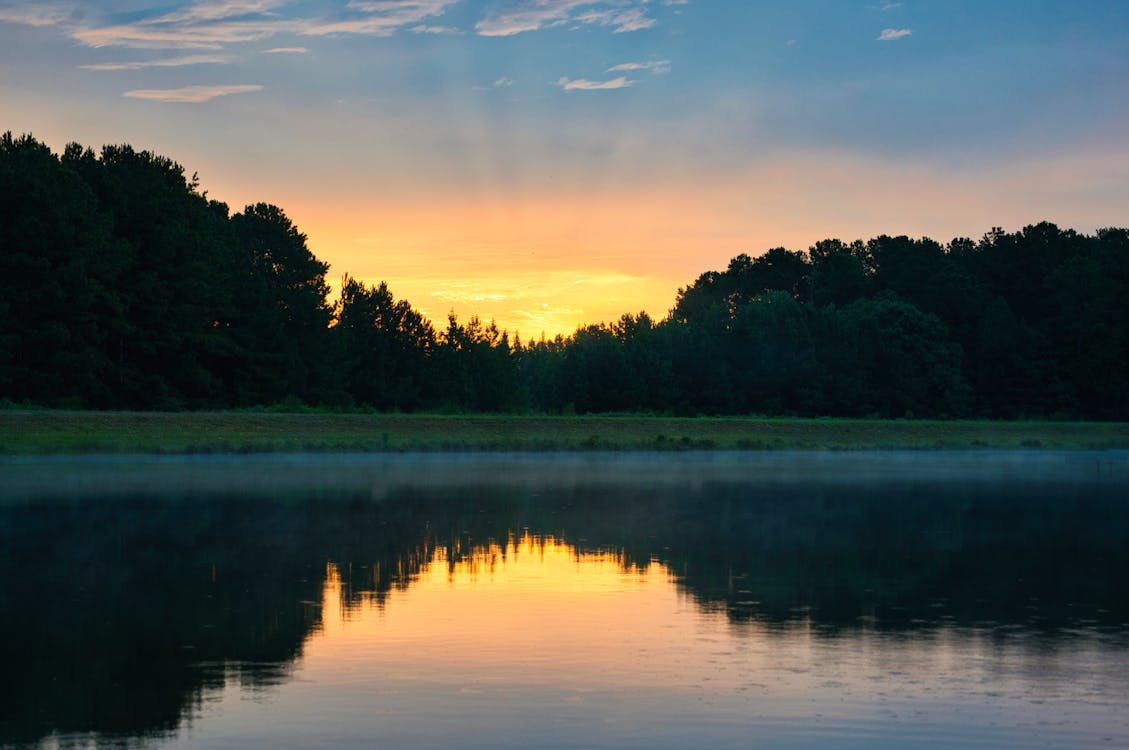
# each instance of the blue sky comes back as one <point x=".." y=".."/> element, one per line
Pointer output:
<point x="551" y="162"/>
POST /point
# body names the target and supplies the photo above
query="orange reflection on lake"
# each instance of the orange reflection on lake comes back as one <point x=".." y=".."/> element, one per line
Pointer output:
<point x="533" y="608"/>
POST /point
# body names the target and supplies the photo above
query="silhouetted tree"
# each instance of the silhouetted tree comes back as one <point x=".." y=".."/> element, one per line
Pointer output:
<point x="385" y="348"/>
<point x="477" y="367"/>
<point x="285" y="310"/>
<point x="122" y="285"/>
<point x="908" y="363"/>
<point x="59" y="266"/>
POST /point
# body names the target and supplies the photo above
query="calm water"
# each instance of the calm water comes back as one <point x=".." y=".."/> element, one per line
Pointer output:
<point x="591" y="601"/>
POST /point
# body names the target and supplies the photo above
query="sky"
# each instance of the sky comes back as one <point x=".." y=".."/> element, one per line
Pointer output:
<point x="551" y="163"/>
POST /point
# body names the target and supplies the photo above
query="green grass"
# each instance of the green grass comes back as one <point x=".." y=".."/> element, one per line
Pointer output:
<point x="45" y="432"/>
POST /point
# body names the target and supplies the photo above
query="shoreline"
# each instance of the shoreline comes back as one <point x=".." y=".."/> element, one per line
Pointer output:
<point x="29" y="432"/>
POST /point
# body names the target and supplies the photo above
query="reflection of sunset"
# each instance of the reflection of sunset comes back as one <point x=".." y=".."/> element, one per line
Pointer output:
<point x="537" y="602"/>
<point x="536" y="642"/>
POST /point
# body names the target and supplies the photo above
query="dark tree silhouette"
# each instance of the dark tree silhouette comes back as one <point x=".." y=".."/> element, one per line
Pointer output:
<point x="123" y="286"/>
<point x="284" y="310"/>
<point x="385" y="347"/>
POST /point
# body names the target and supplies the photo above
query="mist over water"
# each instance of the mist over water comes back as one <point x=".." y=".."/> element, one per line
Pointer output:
<point x="588" y="600"/>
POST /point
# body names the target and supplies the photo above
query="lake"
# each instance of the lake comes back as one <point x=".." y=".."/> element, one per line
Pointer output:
<point x="634" y="600"/>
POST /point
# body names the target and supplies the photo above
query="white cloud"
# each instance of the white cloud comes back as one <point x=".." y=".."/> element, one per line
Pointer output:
<point x="384" y="17"/>
<point x="168" y="62"/>
<point x="157" y="34"/>
<point x="889" y="5"/>
<point x="215" y="24"/>
<point x="285" y="51"/>
<point x="634" y="19"/>
<point x="654" y="66"/>
<point x="889" y="35"/>
<point x="428" y="29"/>
<point x="189" y="94"/>
<point x="406" y="8"/>
<point x="528" y="16"/>
<point x="43" y="14"/>
<point x="218" y="10"/>
<point x="583" y="84"/>
<point x="531" y="15"/>
<point x="503" y="82"/>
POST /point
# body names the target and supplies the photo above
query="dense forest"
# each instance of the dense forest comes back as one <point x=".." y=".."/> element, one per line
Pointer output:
<point x="122" y="285"/>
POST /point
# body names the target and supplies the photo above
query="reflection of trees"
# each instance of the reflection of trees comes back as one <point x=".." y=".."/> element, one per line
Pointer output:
<point x="109" y="607"/>
<point x="119" y="615"/>
<point x="917" y="557"/>
<point x="907" y="554"/>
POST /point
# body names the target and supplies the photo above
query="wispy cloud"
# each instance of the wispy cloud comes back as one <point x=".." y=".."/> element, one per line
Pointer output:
<point x="889" y="35"/>
<point x="157" y="34"/>
<point x="633" y="19"/>
<point x="531" y="15"/>
<point x="889" y="5"/>
<point x="424" y="28"/>
<point x="656" y="67"/>
<point x="285" y="51"/>
<point x="40" y="14"/>
<point x="503" y="82"/>
<point x="190" y="94"/>
<point x="215" y="24"/>
<point x="583" y="84"/>
<point x="218" y="10"/>
<point x="404" y="8"/>
<point x="168" y="62"/>
<point x="383" y="17"/>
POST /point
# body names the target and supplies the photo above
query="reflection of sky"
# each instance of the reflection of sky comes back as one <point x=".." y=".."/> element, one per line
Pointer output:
<point x="646" y="140"/>
<point x="534" y="642"/>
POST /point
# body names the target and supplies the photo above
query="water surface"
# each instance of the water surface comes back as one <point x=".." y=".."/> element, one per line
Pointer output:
<point x="973" y="599"/>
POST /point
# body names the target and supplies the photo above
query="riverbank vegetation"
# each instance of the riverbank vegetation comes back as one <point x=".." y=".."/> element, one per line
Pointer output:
<point x="123" y="286"/>
<point x="50" y="431"/>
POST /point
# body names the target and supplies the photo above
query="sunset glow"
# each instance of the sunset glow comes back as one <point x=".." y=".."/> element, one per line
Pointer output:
<point x="557" y="609"/>
<point x="547" y="164"/>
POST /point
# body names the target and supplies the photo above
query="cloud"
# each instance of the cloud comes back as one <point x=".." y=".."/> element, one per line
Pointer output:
<point x="623" y="21"/>
<point x="215" y="24"/>
<point x="428" y="29"/>
<point x="583" y="84"/>
<point x="218" y="10"/>
<point x="405" y="8"/>
<point x="285" y="51"/>
<point x="385" y="17"/>
<point x="168" y="62"/>
<point x="159" y="34"/>
<point x="531" y="15"/>
<point x="528" y="16"/>
<point x="889" y="35"/>
<point x="503" y="82"/>
<point x="190" y="94"/>
<point x="656" y="67"/>
<point x="35" y="15"/>
<point x="889" y="5"/>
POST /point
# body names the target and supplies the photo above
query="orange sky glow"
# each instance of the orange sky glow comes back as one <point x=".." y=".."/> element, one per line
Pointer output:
<point x="551" y="164"/>
<point x="551" y="260"/>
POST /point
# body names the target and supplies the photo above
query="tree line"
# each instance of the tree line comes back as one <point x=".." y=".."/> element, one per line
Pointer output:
<point x="122" y="285"/>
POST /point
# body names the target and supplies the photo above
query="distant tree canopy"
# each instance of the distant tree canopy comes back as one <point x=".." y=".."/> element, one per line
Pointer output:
<point x="123" y="286"/>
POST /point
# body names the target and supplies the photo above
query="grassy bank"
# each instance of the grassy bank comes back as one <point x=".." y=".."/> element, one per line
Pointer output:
<point x="37" y="432"/>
